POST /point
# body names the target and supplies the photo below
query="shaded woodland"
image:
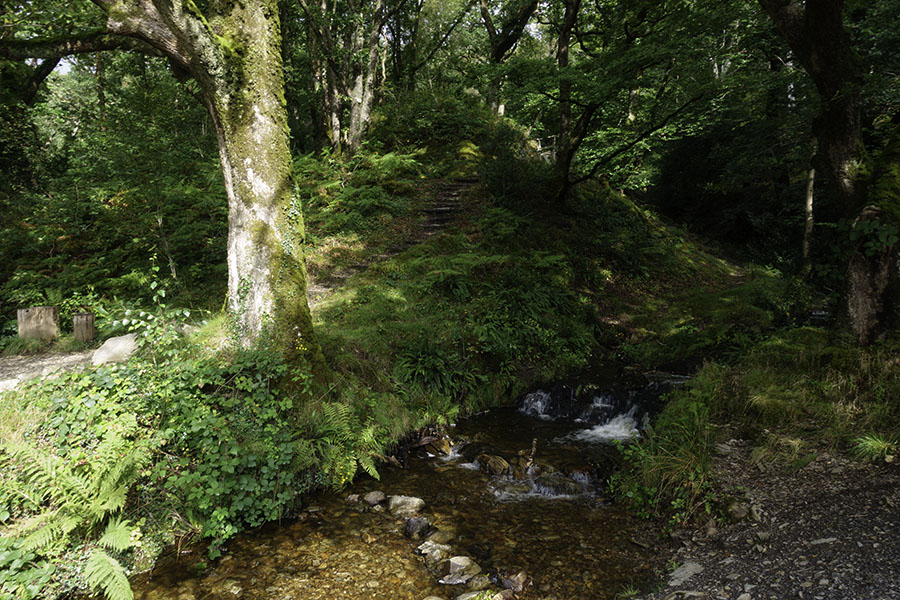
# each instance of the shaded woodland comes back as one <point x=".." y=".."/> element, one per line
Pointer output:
<point x="656" y="185"/>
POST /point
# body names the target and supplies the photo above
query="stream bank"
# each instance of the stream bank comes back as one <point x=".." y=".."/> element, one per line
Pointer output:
<point x="824" y="530"/>
<point x="518" y="494"/>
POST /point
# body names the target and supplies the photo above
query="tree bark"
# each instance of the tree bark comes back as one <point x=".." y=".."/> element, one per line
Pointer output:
<point x="815" y="32"/>
<point x="363" y="94"/>
<point x="808" y="211"/>
<point x="564" y="144"/>
<point x="235" y="56"/>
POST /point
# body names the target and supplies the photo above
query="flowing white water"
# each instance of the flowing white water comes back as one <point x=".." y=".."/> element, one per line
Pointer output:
<point x="536" y="404"/>
<point x="622" y="427"/>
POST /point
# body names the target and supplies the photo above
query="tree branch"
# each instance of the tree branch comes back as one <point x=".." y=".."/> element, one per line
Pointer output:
<point x="54" y="48"/>
<point x="643" y="135"/>
<point x="40" y="73"/>
<point x="445" y="37"/>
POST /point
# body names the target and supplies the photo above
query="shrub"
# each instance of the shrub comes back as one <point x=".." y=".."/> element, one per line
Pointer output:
<point x="667" y="472"/>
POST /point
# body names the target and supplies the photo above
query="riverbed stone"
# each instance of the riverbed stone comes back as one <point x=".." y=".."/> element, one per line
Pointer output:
<point x="473" y="596"/>
<point x="461" y="570"/>
<point x="493" y="465"/>
<point x="374" y="497"/>
<point x="433" y="552"/>
<point x="439" y="446"/>
<point x="405" y="506"/>
<point x="479" y="582"/>
<point x="517" y="582"/>
<point x="441" y="536"/>
<point x="416" y="527"/>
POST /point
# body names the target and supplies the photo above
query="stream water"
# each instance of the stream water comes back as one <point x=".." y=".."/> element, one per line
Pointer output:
<point x="546" y="515"/>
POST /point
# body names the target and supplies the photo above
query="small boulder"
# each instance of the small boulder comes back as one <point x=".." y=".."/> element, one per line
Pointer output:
<point x="461" y="570"/>
<point x="441" y="537"/>
<point x="375" y="497"/>
<point x="517" y="582"/>
<point x="404" y="506"/>
<point x="115" y="349"/>
<point x="433" y="552"/>
<point x="440" y="446"/>
<point x="493" y="465"/>
<point x="416" y="527"/>
<point x="479" y="582"/>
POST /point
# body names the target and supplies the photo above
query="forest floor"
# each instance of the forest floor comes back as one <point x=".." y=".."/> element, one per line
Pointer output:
<point x="822" y="529"/>
<point x="430" y="216"/>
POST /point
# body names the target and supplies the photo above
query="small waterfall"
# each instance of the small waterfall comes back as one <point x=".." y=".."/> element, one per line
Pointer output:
<point x="610" y="415"/>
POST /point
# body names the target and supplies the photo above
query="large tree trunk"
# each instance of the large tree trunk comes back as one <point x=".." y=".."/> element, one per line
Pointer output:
<point x="816" y="34"/>
<point x="235" y="55"/>
<point x="363" y="93"/>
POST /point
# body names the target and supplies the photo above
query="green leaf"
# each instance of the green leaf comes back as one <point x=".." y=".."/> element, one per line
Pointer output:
<point x="104" y="572"/>
<point x="118" y="535"/>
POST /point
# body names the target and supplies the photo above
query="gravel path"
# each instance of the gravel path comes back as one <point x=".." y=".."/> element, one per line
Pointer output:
<point x="15" y="369"/>
<point x="829" y="530"/>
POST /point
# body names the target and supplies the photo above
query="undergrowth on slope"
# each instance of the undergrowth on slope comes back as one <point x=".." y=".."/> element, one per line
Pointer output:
<point x="517" y="290"/>
<point x="795" y="390"/>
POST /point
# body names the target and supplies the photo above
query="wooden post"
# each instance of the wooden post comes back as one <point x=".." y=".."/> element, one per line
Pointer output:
<point x="39" y="322"/>
<point x="83" y="324"/>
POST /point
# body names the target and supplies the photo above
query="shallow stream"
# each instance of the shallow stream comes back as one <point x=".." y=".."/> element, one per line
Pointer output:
<point x="547" y="517"/>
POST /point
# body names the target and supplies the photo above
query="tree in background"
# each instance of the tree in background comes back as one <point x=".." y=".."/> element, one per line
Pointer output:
<point x="870" y="193"/>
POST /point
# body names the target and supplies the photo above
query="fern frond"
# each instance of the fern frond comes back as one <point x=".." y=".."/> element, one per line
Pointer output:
<point x="108" y="501"/>
<point x="117" y="536"/>
<point x="72" y="489"/>
<point x="42" y="531"/>
<point x="36" y="468"/>
<point x="368" y="465"/>
<point x="104" y="572"/>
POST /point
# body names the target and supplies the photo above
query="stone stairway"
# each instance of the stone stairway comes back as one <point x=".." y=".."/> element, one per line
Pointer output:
<point x="445" y="204"/>
<point x="440" y="211"/>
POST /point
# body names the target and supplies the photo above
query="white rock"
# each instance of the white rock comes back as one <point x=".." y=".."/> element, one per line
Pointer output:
<point x="684" y="572"/>
<point x="433" y="552"/>
<point x="462" y="569"/>
<point x="115" y="349"/>
<point x="374" y="497"/>
<point x="403" y="506"/>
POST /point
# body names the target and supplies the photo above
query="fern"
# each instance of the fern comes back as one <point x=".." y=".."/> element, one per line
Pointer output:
<point x="82" y="500"/>
<point x="118" y="535"/>
<point x="104" y="572"/>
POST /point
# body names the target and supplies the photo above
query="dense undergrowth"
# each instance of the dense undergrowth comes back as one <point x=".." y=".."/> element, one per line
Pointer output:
<point x="197" y="437"/>
<point x="792" y="392"/>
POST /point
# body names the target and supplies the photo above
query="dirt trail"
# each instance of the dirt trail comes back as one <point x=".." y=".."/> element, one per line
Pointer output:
<point x="829" y="529"/>
<point x="16" y="369"/>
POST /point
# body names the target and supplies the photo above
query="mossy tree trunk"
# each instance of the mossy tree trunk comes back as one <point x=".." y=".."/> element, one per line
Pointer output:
<point x="816" y="34"/>
<point x="234" y="53"/>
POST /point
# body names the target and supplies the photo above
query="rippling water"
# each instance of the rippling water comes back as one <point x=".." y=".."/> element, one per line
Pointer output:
<point x="571" y="542"/>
